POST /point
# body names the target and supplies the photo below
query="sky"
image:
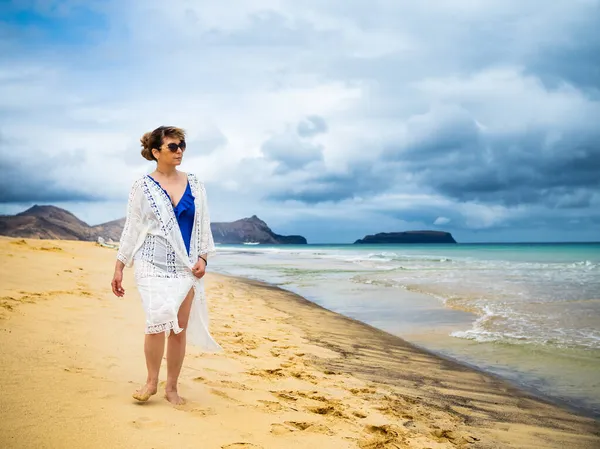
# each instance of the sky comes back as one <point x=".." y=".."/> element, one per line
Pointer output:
<point x="330" y="119"/>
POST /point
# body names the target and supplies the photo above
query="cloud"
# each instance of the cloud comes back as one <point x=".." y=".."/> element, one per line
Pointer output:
<point x="536" y="144"/>
<point x="291" y="152"/>
<point x="41" y="177"/>
<point x="311" y="126"/>
<point x="441" y="221"/>
<point x="482" y="113"/>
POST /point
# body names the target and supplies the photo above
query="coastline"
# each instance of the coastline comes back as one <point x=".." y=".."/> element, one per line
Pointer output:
<point x="293" y="374"/>
<point x="521" y="389"/>
<point x="525" y="327"/>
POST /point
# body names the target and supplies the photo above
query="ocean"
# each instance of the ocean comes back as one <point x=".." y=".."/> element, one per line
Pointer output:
<point x="529" y="313"/>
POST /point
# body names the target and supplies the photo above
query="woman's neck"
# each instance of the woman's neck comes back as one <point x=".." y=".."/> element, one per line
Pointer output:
<point x="167" y="172"/>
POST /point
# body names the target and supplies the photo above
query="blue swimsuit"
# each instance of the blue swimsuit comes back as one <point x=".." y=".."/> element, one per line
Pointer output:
<point x="184" y="212"/>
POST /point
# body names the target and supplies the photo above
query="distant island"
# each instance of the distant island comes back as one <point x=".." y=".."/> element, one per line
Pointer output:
<point x="251" y="230"/>
<point x="408" y="237"/>
<point x="51" y="222"/>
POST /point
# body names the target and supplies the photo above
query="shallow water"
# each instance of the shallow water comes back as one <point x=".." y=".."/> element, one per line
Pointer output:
<point x="529" y="312"/>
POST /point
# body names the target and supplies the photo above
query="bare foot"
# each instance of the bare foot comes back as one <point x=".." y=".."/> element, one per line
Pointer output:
<point x="173" y="397"/>
<point x="144" y="393"/>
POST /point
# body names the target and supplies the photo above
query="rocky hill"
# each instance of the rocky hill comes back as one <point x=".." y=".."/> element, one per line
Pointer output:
<point x="251" y="229"/>
<point x="408" y="237"/>
<point x="51" y="222"/>
<point x="110" y="231"/>
<point x="45" y="222"/>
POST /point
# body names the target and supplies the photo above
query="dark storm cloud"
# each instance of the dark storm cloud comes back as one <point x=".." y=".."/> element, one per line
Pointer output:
<point x="21" y="187"/>
<point x="291" y="152"/>
<point x="39" y="178"/>
<point x="521" y="168"/>
<point x="552" y="72"/>
<point x="24" y="185"/>
<point x="359" y="179"/>
<point x="447" y="152"/>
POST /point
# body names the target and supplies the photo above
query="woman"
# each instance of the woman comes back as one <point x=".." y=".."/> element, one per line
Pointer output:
<point x="167" y="238"/>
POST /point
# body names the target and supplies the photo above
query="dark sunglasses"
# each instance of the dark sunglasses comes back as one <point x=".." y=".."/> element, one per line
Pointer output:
<point x="173" y="146"/>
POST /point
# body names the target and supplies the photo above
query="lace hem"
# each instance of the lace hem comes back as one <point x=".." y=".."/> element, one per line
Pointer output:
<point x="164" y="327"/>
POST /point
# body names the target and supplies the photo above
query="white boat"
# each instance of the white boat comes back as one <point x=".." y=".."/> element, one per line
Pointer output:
<point x="251" y="243"/>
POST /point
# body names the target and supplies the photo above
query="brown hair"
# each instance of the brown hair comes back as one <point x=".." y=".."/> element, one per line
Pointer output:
<point x="154" y="139"/>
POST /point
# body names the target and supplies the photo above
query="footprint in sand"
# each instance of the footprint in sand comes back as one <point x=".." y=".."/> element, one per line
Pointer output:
<point x="6" y="305"/>
<point x="221" y="383"/>
<point x="240" y="446"/>
<point x="328" y="407"/>
<point x="358" y="391"/>
<point x="443" y="435"/>
<point x="248" y="343"/>
<point x="231" y="384"/>
<point x="328" y="410"/>
<point x="274" y="406"/>
<point x="244" y="353"/>
<point x="303" y="375"/>
<point x="273" y="373"/>
<point x="280" y="429"/>
<point x="145" y="423"/>
<point x="286" y="395"/>
<point x="222" y="394"/>
<point x="202" y="412"/>
<point x="294" y="426"/>
<point x="387" y="435"/>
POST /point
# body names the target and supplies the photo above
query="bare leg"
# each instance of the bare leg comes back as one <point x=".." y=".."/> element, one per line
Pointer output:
<point x="154" y="348"/>
<point x="176" y="351"/>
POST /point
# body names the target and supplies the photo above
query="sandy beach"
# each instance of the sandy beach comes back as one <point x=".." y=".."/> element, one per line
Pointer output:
<point x="293" y="375"/>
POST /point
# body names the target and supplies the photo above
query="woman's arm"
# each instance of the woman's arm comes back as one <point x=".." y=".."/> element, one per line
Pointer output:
<point x="131" y="230"/>
<point x="206" y="244"/>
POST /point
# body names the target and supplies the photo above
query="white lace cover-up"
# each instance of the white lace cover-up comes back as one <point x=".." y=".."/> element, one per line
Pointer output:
<point x="152" y="242"/>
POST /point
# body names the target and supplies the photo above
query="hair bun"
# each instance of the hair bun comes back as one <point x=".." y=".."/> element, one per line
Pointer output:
<point x="146" y="150"/>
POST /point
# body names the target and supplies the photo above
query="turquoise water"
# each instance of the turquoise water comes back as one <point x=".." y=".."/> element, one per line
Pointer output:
<point x="529" y="312"/>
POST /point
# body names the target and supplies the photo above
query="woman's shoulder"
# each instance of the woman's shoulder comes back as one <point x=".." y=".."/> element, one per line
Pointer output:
<point x="195" y="180"/>
<point x="138" y="182"/>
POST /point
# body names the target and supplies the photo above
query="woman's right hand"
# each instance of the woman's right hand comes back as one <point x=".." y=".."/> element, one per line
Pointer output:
<point x="116" y="284"/>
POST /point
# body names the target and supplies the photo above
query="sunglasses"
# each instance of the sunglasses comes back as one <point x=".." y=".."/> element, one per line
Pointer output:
<point x="173" y="146"/>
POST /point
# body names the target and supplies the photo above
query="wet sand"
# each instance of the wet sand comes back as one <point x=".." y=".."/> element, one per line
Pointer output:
<point x="293" y="375"/>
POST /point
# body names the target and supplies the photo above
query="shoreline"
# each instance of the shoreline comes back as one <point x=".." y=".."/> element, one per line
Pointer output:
<point x="557" y="374"/>
<point x="293" y="374"/>
<point x="517" y="388"/>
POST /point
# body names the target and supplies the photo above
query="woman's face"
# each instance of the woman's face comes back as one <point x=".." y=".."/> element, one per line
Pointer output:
<point x="171" y="151"/>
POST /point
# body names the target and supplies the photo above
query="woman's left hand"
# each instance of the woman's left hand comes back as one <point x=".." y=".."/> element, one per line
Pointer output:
<point x="199" y="269"/>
